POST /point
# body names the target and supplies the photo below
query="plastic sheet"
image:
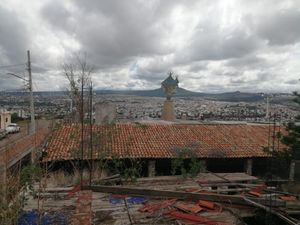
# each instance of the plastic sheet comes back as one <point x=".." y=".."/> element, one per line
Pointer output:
<point x="34" y="218"/>
<point x="119" y="199"/>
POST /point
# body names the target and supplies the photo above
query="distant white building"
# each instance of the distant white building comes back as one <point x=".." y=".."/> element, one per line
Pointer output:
<point x="22" y="114"/>
<point x="106" y="113"/>
<point x="5" y="118"/>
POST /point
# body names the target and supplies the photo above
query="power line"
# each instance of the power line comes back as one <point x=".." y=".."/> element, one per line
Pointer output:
<point x="4" y="66"/>
<point x="32" y="125"/>
<point x="18" y="76"/>
<point x="34" y="65"/>
<point x="6" y="74"/>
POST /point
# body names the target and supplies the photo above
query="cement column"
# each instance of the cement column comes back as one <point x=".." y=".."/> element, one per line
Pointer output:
<point x="203" y="164"/>
<point x="151" y="168"/>
<point x="248" y="166"/>
<point x="292" y="171"/>
<point x="168" y="112"/>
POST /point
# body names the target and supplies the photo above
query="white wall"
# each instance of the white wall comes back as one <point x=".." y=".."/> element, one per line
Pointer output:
<point x="5" y="120"/>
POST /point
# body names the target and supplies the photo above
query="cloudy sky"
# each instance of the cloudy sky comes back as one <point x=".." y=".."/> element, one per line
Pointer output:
<point x="213" y="46"/>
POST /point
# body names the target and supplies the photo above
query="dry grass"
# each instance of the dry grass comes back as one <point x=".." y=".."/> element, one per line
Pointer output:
<point x="11" y="200"/>
<point x="293" y="187"/>
<point x="62" y="179"/>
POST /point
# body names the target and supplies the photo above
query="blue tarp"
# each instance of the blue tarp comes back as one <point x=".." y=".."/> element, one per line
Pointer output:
<point x="130" y="200"/>
<point x="34" y="218"/>
<point x="136" y="200"/>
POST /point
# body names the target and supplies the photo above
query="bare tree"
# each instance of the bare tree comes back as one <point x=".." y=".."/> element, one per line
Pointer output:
<point x="78" y="72"/>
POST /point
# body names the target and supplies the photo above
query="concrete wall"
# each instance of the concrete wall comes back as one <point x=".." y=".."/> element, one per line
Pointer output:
<point x="5" y="119"/>
<point x="106" y="113"/>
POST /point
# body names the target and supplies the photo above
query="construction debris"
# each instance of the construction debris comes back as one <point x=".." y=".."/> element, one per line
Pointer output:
<point x="188" y="207"/>
<point x="233" y="199"/>
<point x="174" y="200"/>
<point x="194" y="218"/>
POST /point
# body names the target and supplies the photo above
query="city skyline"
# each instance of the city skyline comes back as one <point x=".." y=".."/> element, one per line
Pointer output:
<point x="219" y="46"/>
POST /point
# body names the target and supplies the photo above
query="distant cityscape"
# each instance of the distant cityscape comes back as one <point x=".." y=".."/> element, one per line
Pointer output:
<point x="130" y="107"/>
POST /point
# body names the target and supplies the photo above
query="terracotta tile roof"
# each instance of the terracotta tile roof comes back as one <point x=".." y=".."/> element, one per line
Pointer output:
<point x="160" y="141"/>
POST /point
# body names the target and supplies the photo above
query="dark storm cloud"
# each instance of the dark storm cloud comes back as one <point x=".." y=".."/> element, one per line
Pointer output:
<point x="57" y="15"/>
<point x="209" y="45"/>
<point x="264" y="76"/>
<point x="210" y="42"/>
<point x="39" y="69"/>
<point x="151" y="77"/>
<point x="231" y="73"/>
<point x="198" y="66"/>
<point x="292" y="81"/>
<point x="13" y="45"/>
<point x="113" y="32"/>
<point x="14" y="39"/>
<point x="279" y="27"/>
<point x="248" y="61"/>
<point x="258" y="78"/>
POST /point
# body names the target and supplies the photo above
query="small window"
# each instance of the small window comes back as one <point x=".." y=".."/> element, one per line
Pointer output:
<point x="6" y="120"/>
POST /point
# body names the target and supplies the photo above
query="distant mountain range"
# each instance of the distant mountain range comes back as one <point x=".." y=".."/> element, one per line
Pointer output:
<point x="236" y="96"/>
<point x="181" y="92"/>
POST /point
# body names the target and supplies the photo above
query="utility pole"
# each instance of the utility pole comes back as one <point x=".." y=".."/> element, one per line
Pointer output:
<point x="91" y="132"/>
<point x="82" y="132"/>
<point x="32" y="120"/>
<point x="267" y="108"/>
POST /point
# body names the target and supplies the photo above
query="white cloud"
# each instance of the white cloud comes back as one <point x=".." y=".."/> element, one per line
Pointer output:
<point x="213" y="46"/>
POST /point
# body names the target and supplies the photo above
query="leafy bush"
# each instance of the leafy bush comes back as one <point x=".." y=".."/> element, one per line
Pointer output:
<point x="187" y="163"/>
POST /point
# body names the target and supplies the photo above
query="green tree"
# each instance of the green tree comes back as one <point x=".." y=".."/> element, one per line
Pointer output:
<point x="187" y="163"/>
<point x="14" y="117"/>
<point x="292" y="139"/>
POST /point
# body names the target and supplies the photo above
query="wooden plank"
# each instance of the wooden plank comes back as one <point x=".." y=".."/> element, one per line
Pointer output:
<point x="219" y="190"/>
<point x="203" y="178"/>
<point x="284" y="193"/>
<point x="287" y="219"/>
<point x="225" y="177"/>
<point x="229" y="184"/>
<point x="231" y="199"/>
<point x="216" y="185"/>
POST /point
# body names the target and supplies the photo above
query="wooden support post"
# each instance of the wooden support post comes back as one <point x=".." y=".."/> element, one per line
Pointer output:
<point x="2" y="172"/>
<point x="151" y="168"/>
<point x="203" y="162"/>
<point x="3" y="183"/>
<point x="248" y="166"/>
<point x="292" y="170"/>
